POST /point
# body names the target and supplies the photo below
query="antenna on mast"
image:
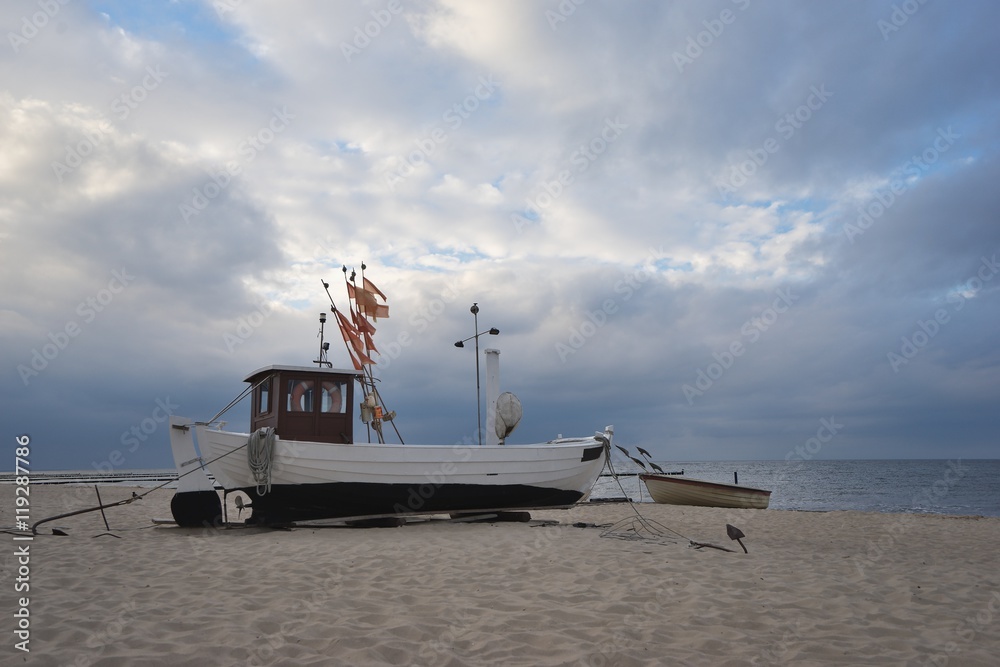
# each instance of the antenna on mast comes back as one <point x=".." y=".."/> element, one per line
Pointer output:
<point x="324" y="347"/>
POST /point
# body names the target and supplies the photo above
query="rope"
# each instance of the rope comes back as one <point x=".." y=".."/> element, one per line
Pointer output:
<point x="638" y="527"/>
<point x="135" y="496"/>
<point x="260" y="454"/>
<point x="139" y="496"/>
<point x="243" y="394"/>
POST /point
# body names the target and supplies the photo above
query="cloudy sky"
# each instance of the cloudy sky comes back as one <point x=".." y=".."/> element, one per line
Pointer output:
<point x="733" y="229"/>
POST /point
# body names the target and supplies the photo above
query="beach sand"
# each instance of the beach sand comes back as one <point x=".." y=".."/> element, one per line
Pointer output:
<point x="834" y="588"/>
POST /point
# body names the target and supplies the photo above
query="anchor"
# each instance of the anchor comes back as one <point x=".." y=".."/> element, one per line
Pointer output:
<point x="735" y="534"/>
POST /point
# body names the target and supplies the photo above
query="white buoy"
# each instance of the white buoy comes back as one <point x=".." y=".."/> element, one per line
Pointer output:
<point x="508" y="415"/>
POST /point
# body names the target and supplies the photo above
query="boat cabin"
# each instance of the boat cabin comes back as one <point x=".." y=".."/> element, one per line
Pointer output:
<point x="304" y="403"/>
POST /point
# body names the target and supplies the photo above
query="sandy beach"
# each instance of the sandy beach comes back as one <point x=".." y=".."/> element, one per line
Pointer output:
<point x="834" y="588"/>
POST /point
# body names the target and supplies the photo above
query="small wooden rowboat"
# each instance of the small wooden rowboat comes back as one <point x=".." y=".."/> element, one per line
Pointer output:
<point x="686" y="491"/>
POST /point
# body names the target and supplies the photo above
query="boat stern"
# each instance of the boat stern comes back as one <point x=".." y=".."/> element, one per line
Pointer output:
<point x="196" y="502"/>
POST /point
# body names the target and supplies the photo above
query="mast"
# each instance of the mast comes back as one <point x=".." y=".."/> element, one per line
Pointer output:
<point x="357" y="333"/>
<point x="353" y="354"/>
<point x="382" y="413"/>
<point x="333" y="309"/>
<point x="493" y="331"/>
<point x="323" y="346"/>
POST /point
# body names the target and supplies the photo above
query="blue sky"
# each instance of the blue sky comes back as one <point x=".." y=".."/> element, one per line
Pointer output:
<point x="713" y="225"/>
<point x="194" y="21"/>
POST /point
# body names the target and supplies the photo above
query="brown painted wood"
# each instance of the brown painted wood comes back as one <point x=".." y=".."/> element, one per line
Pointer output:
<point x="287" y="388"/>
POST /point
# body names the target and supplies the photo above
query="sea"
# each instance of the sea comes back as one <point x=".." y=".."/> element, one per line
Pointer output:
<point x="938" y="486"/>
<point x="945" y="486"/>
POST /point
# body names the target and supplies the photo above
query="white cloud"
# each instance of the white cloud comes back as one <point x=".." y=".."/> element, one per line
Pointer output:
<point x="418" y="153"/>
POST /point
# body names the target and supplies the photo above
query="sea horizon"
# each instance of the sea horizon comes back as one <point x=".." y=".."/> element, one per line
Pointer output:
<point x="952" y="486"/>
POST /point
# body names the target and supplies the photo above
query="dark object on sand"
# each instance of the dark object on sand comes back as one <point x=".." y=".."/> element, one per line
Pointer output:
<point x="735" y="534"/>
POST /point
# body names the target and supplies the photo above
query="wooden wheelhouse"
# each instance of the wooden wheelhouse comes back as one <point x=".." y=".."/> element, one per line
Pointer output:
<point x="304" y="403"/>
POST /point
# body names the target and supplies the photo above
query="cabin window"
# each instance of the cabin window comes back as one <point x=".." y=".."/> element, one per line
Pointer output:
<point x="300" y="395"/>
<point x="264" y="397"/>
<point x="333" y="396"/>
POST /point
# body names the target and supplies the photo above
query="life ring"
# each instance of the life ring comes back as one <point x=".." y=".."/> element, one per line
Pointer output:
<point x="297" y="403"/>
<point x="335" y="397"/>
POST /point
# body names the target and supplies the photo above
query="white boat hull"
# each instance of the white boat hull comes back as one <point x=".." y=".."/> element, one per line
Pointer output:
<point x="688" y="491"/>
<point x="312" y="480"/>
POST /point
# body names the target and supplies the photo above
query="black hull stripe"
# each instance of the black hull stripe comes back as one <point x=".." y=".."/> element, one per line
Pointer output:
<point x="306" y="502"/>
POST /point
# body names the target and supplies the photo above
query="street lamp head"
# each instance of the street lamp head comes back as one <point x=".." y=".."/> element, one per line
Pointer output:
<point x="494" y="331"/>
<point x="460" y="344"/>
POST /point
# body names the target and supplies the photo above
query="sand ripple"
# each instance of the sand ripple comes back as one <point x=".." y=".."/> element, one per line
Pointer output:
<point x="815" y="589"/>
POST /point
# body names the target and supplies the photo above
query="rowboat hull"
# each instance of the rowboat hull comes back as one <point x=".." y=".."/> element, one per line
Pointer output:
<point x="687" y="491"/>
<point x="311" y="480"/>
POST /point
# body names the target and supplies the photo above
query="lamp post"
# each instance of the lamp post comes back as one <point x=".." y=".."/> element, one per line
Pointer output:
<point x="493" y="332"/>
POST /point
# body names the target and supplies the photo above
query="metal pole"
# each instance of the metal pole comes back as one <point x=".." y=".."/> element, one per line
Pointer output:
<point x="479" y="415"/>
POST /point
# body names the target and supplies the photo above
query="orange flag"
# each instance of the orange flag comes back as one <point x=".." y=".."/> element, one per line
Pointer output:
<point x="370" y="287"/>
<point x="374" y="311"/>
<point x="368" y="305"/>
<point x="364" y="328"/>
<point x="353" y="339"/>
<point x="351" y="291"/>
<point x="370" y="343"/>
<point x="361" y="324"/>
<point x="354" y="360"/>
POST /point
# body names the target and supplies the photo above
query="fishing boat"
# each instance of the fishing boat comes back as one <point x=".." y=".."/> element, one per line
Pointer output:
<point x="299" y="460"/>
<point x="687" y="491"/>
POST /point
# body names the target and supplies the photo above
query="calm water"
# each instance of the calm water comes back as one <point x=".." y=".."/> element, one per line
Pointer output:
<point x="970" y="486"/>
